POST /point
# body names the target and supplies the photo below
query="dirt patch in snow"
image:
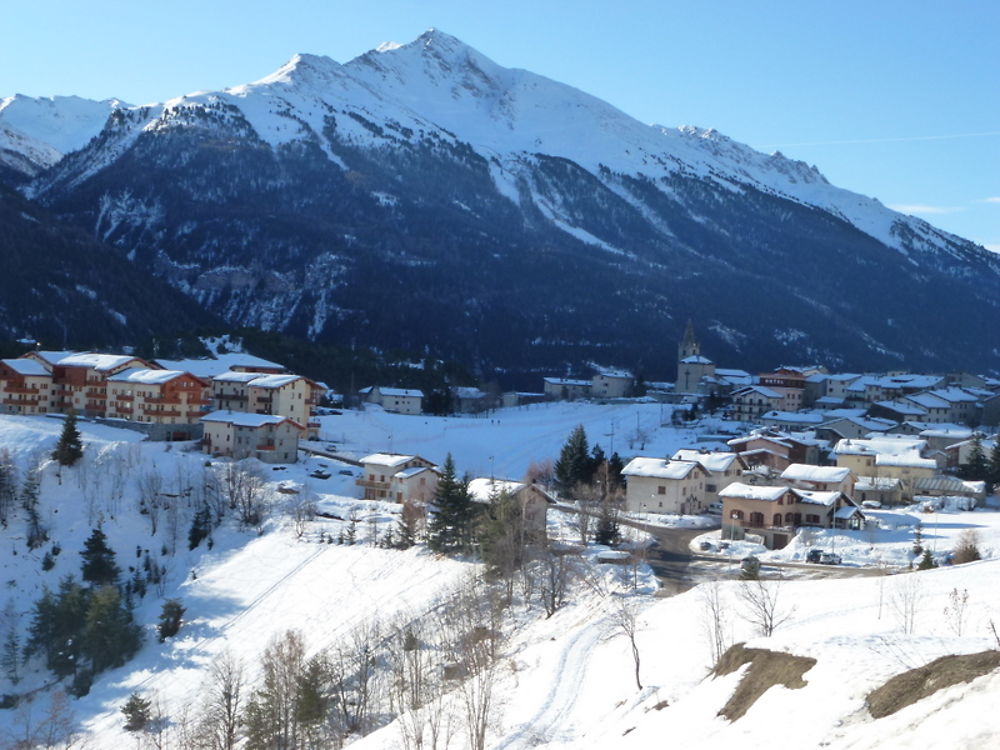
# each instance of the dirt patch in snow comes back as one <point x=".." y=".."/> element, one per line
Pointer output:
<point x="767" y="669"/>
<point x="909" y="687"/>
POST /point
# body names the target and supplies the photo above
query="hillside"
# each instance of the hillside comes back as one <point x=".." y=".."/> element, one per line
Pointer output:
<point x="530" y="224"/>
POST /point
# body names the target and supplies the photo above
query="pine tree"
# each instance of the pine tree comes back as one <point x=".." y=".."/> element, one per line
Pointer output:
<point x="977" y="468"/>
<point x="607" y="531"/>
<point x="69" y="449"/>
<point x="927" y="561"/>
<point x="615" y="468"/>
<point x="137" y="711"/>
<point x="451" y="527"/>
<point x="201" y="526"/>
<point x="55" y="627"/>
<point x="110" y="637"/>
<point x="407" y="527"/>
<point x="170" y="619"/>
<point x="99" y="567"/>
<point x="994" y="465"/>
<point x="574" y="464"/>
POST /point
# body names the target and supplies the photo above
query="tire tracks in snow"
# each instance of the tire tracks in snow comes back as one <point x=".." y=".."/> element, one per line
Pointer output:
<point x="574" y="658"/>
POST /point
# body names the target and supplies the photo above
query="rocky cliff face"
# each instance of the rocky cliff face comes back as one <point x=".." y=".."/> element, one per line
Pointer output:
<point x="421" y="196"/>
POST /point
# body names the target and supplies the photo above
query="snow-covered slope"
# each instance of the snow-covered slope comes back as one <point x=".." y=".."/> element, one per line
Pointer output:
<point x="437" y="83"/>
<point x="36" y="132"/>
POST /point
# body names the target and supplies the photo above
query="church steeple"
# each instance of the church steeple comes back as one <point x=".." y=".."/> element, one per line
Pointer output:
<point x="689" y="346"/>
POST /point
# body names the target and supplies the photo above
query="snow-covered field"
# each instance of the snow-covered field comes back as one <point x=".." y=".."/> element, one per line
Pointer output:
<point x="507" y="441"/>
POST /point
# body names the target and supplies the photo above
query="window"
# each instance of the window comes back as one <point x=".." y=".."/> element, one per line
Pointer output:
<point x="661" y="490"/>
<point x="711" y="488"/>
<point x="737" y="514"/>
<point x="756" y="519"/>
<point x="777" y="519"/>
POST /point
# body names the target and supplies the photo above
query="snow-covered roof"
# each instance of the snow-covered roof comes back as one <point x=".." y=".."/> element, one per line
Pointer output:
<point x="659" y="468"/>
<point x="740" y="491"/>
<point x="758" y="389"/>
<point x="412" y="471"/>
<point x="612" y="372"/>
<point x="947" y="432"/>
<point x="847" y="512"/>
<point x="568" y="381"/>
<point x="811" y="473"/>
<point x="52" y="356"/>
<point x="464" y="391"/>
<point x="207" y="368"/>
<point x="95" y="361"/>
<point x="949" y="484"/>
<point x="145" y="376"/>
<point x="26" y="366"/>
<point x="273" y="381"/>
<point x="953" y="395"/>
<point x="903" y="407"/>
<point x="814" y="497"/>
<point x="387" y="459"/>
<point x="483" y="489"/>
<point x="715" y="461"/>
<point x="928" y="400"/>
<point x="696" y="359"/>
<point x="866" y="483"/>
<point x="880" y="445"/>
<point x="246" y="419"/>
<point x="793" y="417"/>
<point x="913" y="460"/>
<point x="407" y="392"/>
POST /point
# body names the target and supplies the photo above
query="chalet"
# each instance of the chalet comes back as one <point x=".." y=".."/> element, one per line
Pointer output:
<point x="833" y="430"/>
<point x="944" y="486"/>
<point x="750" y="402"/>
<point x="900" y="458"/>
<point x="775" y="513"/>
<point x="791" y="420"/>
<point x="469" y="400"/>
<point x="566" y="389"/>
<point x="533" y="500"/>
<point x="395" y="400"/>
<point x="168" y="397"/>
<point x="25" y="387"/>
<point x="657" y="485"/>
<point x="775" y="449"/>
<point x="960" y="453"/>
<point x="898" y="411"/>
<point x="282" y="394"/>
<point x="611" y="384"/>
<point x="398" y="478"/>
<point x="724" y="468"/>
<point x="269" y="438"/>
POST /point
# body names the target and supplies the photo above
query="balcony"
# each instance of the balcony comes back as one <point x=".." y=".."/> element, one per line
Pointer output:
<point x="125" y="397"/>
<point x="162" y="400"/>
<point x="22" y="402"/>
<point x="370" y="484"/>
<point x="165" y="413"/>
<point x="230" y="396"/>
<point x="266" y="447"/>
<point x="21" y="389"/>
<point x="100" y="395"/>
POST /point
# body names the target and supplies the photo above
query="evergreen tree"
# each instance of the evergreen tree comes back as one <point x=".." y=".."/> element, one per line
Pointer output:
<point x="574" y="464"/>
<point x="69" y="449"/>
<point x="451" y="527"/>
<point x="977" y="468"/>
<point x="993" y="473"/>
<point x="408" y="525"/>
<point x="37" y="535"/>
<point x="110" y="637"/>
<point x="926" y="562"/>
<point x="615" y="468"/>
<point x="201" y="526"/>
<point x="170" y="619"/>
<point x="137" y="711"/>
<point x="99" y="567"/>
<point x="597" y="461"/>
<point x="55" y="627"/>
<point x="607" y="531"/>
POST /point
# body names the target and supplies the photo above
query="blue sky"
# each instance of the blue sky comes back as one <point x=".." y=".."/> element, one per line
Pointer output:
<point x="899" y="100"/>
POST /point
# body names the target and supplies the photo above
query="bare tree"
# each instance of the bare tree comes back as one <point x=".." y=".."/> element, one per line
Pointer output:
<point x="954" y="613"/>
<point x="552" y="576"/>
<point x="715" y="616"/>
<point x="625" y="620"/>
<point x="150" y="486"/>
<point x="906" y="597"/>
<point x="245" y="491"/>
<point x="416" y="692"/>
<point x="761" y="605"/>
<point x="219" y="722"/>
<point x="355" y="680"/>
<point x="540" y="472"/>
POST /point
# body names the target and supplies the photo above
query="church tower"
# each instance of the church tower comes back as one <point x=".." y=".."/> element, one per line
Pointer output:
<point x="691" y="366"/>
<point x="689" y="346"/>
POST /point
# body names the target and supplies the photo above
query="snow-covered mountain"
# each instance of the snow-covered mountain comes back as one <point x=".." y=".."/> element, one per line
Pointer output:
<point x="35" y="133"/>
<point x="327" y="197"/>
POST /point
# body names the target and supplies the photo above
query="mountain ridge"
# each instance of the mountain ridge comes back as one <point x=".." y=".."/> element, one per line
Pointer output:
<point x="274" y="203"/>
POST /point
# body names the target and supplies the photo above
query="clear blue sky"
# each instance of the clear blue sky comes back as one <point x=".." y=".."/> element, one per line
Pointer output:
<point x="899" y="100"/>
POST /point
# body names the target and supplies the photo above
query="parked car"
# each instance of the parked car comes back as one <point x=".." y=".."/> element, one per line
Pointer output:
<point x="346" y="472"/>
<point x="829" y="558"/>
<point x="320" y="474"/>
<point x="705" y="546"/>
<point x="715" y="508"/>
<point x="814" y="555"/>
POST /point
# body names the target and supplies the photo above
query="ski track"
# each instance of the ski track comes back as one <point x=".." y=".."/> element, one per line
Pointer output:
<point x="563" y="693"/>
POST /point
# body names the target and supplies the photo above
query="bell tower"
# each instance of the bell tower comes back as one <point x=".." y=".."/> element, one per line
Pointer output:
<point x="689" y="346"/>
